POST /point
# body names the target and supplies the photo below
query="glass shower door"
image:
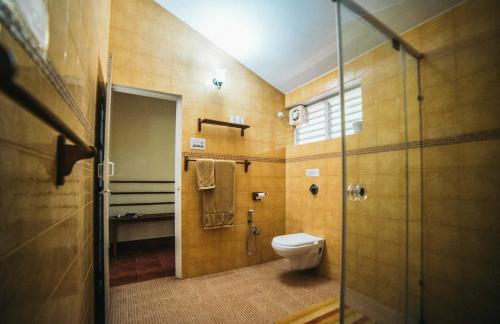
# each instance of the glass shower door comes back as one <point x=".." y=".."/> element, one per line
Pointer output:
<point x="375" y="74"/>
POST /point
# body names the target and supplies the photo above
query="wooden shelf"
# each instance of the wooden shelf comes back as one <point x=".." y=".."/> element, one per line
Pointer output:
<point x="143" y="204"/>
<point x="143" y="218"/>
<point x="114" y="221"/>
<point x="142" y="181"/>
<point x="142" y="192"/>
<point x="222" y="123"/>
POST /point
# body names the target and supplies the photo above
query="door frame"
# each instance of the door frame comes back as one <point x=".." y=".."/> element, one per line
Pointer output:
<point x="178" y="155"/>
<point x="98" y="226"/>
<point x="101" y="270"/>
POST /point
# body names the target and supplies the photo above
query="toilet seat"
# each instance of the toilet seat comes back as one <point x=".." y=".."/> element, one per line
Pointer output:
<point x="304" y="251"/>
<point x="298" y="240"/>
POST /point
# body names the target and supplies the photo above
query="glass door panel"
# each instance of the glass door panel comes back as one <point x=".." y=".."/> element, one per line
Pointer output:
<point x="376" y="169"/>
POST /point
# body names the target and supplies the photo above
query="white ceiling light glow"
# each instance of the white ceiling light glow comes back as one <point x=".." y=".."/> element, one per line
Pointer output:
<point x="291" y="42"/>
<point x="231" y="32"/>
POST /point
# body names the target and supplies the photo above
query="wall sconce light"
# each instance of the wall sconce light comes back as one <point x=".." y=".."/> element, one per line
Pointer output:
<point x="220" y="78"/>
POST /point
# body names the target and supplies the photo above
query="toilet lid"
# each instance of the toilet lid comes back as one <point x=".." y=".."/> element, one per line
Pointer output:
<point x="296" y="240"/>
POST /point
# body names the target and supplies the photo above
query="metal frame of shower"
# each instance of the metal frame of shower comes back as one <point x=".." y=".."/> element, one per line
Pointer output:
<point x="380" y="26"/>
<point x="397" y="44"/>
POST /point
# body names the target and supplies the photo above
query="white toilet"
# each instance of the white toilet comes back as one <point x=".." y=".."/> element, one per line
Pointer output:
<point x="304" y="251"/>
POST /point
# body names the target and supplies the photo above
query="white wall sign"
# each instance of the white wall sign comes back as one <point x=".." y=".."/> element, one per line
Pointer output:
<point x="312" y="173"/>
<point x="198" y="143"/>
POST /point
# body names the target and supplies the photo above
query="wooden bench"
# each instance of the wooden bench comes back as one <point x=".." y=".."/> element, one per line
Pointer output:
<point x="114" y="221"/>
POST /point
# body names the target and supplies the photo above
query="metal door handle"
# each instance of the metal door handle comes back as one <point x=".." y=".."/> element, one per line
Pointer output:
<point x="100" y="172"/>
<point x="111" y="169"/>
<point x="357" y="192"/>
<point x="361" y="192"/>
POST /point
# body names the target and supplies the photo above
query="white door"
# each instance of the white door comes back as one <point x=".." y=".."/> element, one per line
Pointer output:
<point x="107" y="172"/>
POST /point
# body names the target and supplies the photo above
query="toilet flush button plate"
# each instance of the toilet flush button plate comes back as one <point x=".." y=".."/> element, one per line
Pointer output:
<point x="312" y="172"/>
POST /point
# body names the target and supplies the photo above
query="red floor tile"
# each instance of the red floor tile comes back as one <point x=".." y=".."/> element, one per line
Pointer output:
<point x="142" y="262"/>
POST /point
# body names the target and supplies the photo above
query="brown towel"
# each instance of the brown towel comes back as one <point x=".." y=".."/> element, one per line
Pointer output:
<point x="218" y="203"/>
<point x="205" y="174"/>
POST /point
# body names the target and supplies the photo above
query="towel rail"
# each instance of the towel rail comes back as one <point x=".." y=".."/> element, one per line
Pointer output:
<point x="142" y="192"/>
<point x="67" y="155"/>
<point x="187" y="160"/>
<point x="142" y="181"/>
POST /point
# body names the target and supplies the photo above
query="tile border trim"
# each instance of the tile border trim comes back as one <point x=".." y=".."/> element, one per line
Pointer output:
<point x="44" y="64"/>
<point x="458" y="139"/>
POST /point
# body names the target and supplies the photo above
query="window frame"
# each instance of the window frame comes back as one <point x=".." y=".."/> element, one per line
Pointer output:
<point x="325" y="98"/>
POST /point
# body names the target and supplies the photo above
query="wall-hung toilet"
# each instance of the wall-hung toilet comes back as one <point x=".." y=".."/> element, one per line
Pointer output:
<point x="303" y="250"/>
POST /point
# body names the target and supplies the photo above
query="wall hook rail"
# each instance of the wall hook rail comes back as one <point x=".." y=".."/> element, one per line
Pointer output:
<point x="187" y="160"/>
<point x="67" y="155"/>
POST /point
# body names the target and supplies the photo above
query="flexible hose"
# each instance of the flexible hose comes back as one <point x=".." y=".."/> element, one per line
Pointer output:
<point x="251" y="242"/>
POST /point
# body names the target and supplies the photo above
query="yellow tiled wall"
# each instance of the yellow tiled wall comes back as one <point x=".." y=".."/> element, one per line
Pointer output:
<point x="46" y="241"/>
<point x="160" y="52"/>
<point x="316" y="214"/>
<point x="460" y="228"/>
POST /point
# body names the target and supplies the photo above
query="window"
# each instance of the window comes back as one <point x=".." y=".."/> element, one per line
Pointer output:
<point x="323" y="118"/>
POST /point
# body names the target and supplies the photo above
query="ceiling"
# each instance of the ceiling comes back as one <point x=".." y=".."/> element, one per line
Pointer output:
<point x="291" y="42"/>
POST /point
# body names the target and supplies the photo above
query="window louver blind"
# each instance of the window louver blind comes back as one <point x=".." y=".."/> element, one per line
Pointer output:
<point x="323" y="118"/>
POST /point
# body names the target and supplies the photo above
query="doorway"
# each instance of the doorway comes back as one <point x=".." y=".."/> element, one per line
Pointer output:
<point x="142" y="188"/>
<point x="139" y="179"/>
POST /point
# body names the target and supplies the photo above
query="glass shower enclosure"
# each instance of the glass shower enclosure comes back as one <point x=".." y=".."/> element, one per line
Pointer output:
<point x="381" y="219"/>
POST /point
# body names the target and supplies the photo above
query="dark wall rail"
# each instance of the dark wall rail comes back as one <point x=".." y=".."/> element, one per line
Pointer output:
<point x="142" y="193"/>
<point x="187" y="160"/>
<point x="142" y="181"/>
<point x="67" y="155"/>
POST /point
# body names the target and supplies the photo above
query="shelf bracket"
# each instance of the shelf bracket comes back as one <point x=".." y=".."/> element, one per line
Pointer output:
<point x="67" y="156"/>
